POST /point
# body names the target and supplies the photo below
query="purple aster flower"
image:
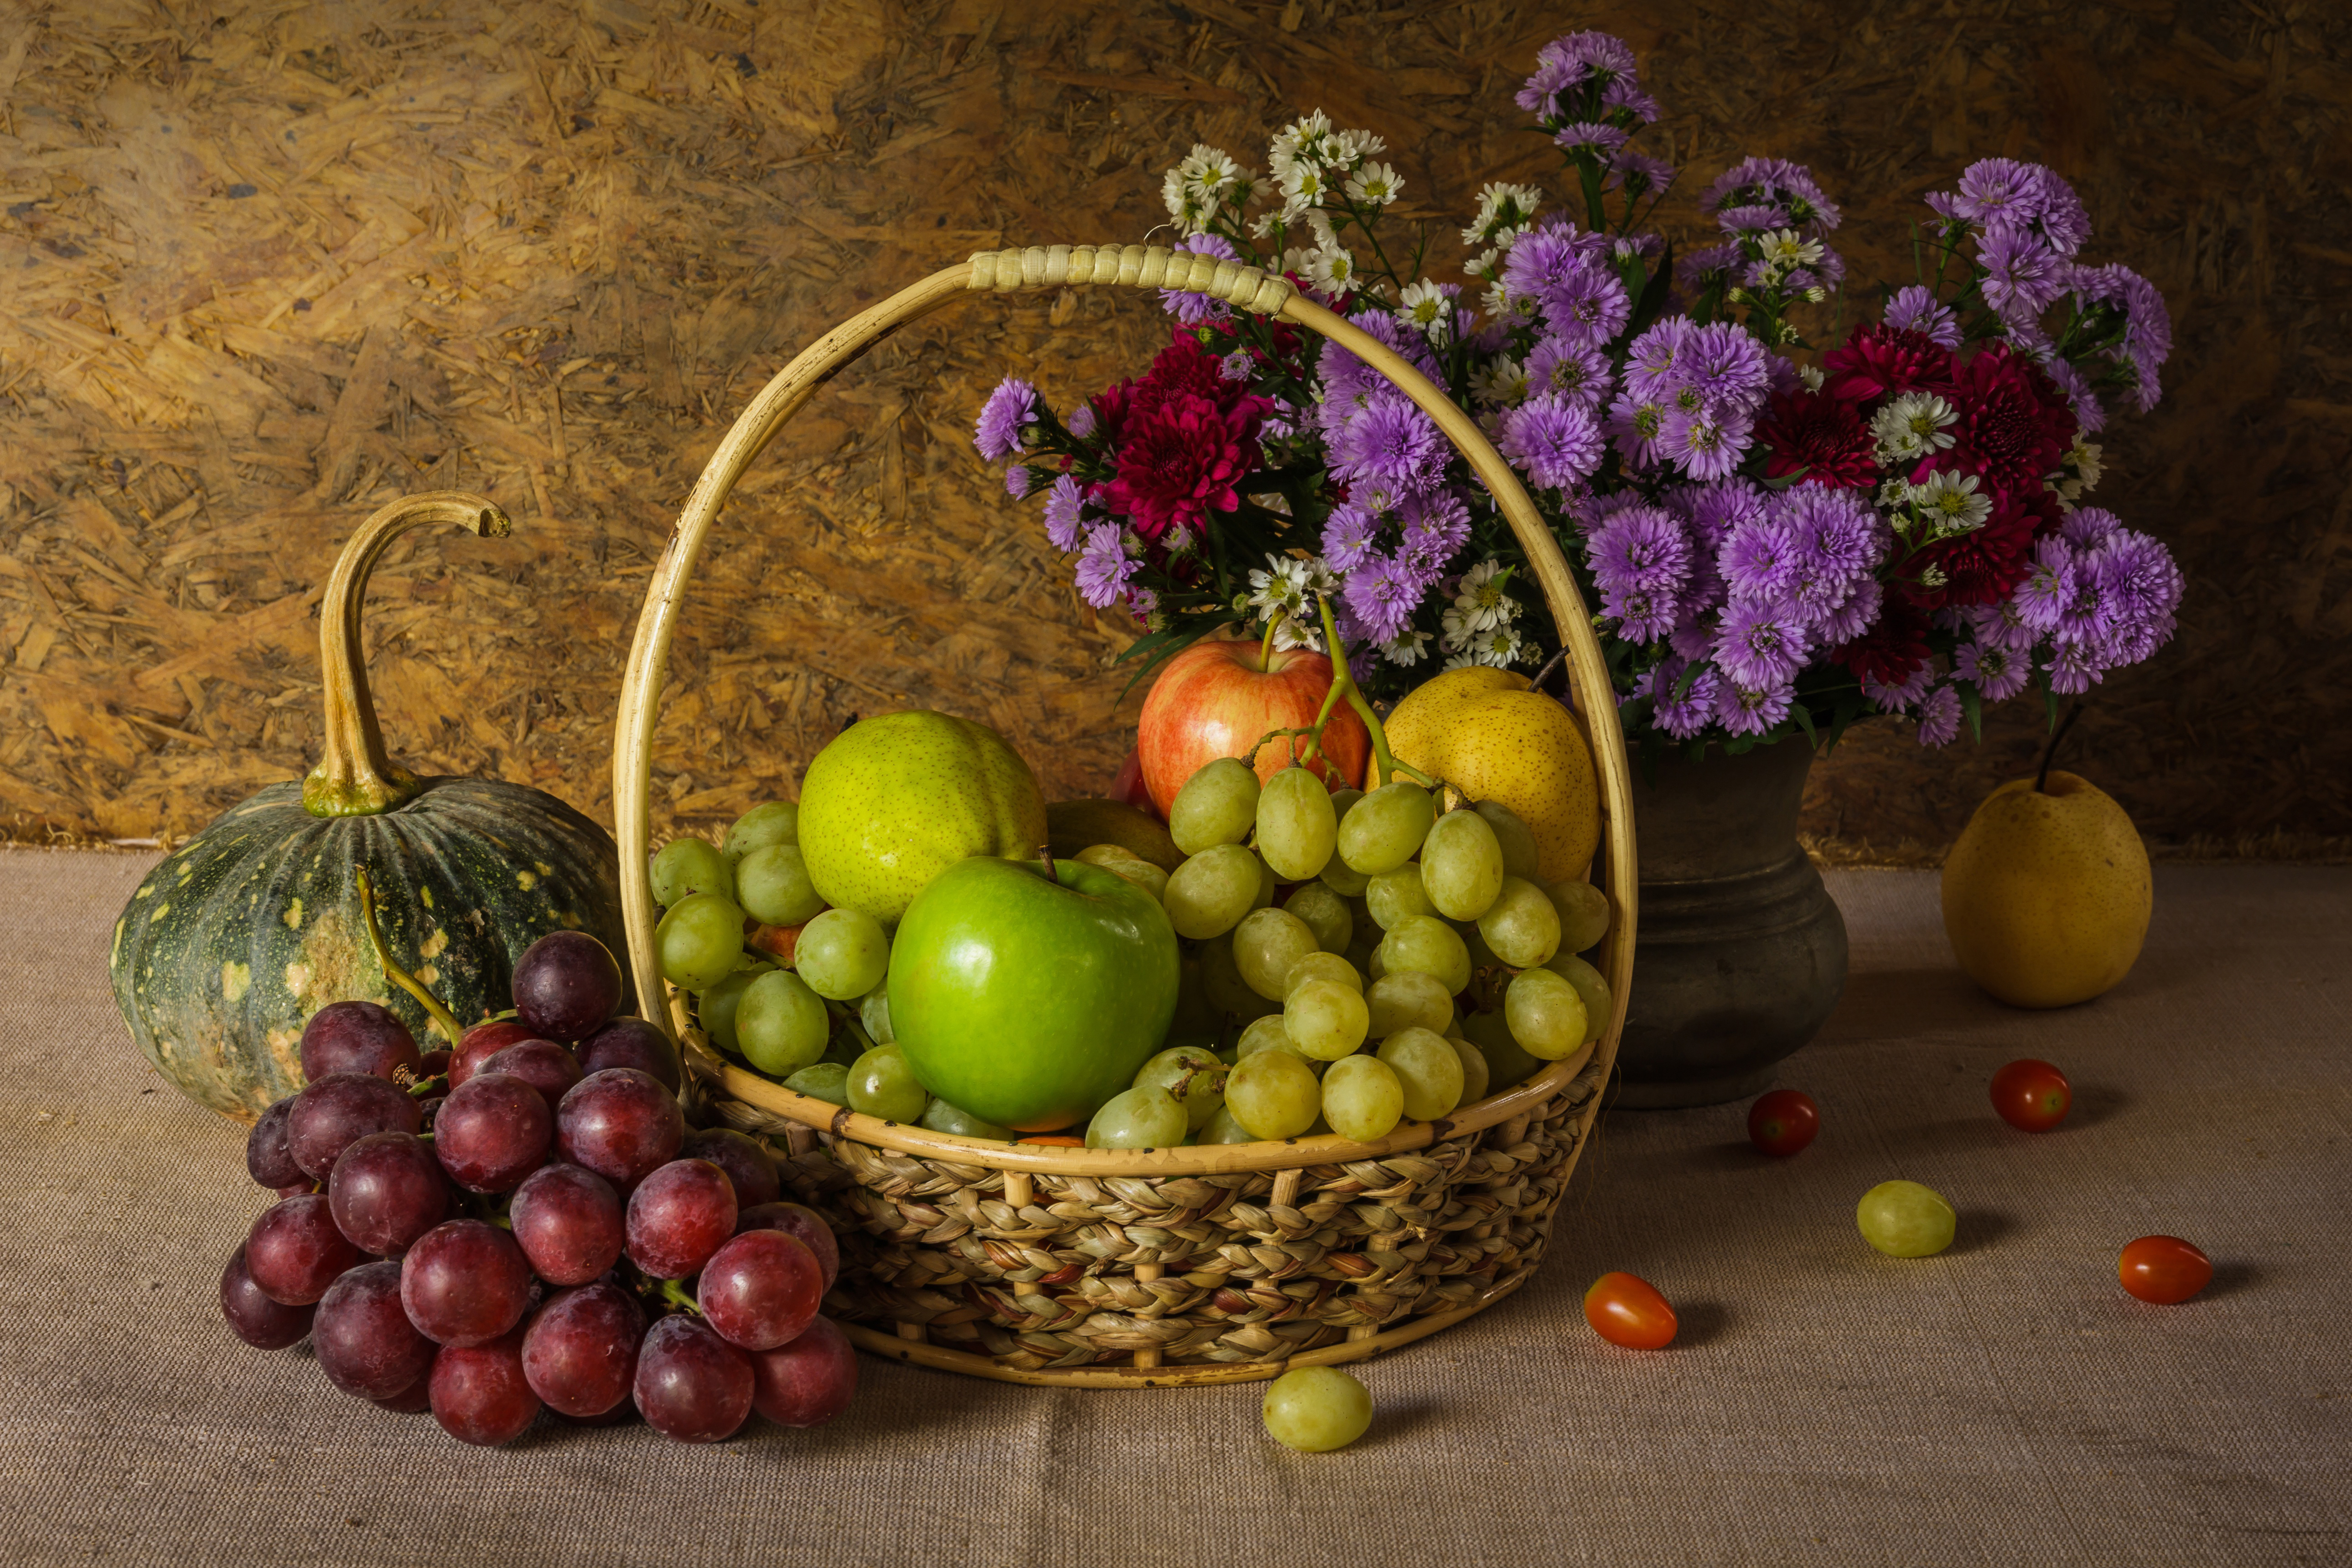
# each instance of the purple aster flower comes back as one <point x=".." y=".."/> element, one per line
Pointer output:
<point x="1653" y="361"/>
<point x="1346" y="377"/>
<point x="2062" y="219"/>
<point x="2023" y="274"/>
<point x="1383" y="593"/>
<point x="1103" y="569"/>
<point x="1348" y="536"/>
<point x="1016" y="482"/>
<point x="1596" y="137"/>
<point x="1752" y="219"/>
<point x="1194" y="309"/>
<point x="1235" y="366"/>
<point x="1621" y="93"/>
<point x="1694" y="634"/>
<point x="1760" y="645"/>
<point x="2074" y="668"/>
<point x="2139" y="588"/>
<point x="1714" y="511"/>
<point x="1836" y="531"/>
<point x="1638" y="173"/>
<point x="1633" y="427"/>
<point x="1939" y="717"/>
<point x="1915" y="309"/>
<point x="1141" y="603"/>
<point x="2049" y="586"/>
<point x="2147" y="328"/>
<point x="1642" y="547"/>
<point x="1704" y="443"/>
<point x="1698" y="264"/>
<point x="997" y="431"/>
<point x="1743" y="709"/>
<point x="1993" y="188"/>
<point x="1388" y="438"/>
<point x="1572" y="61"/>
<point x="1774" y="182"/>
<point x="2090" y="415"/>
<point x="1543" y="258"/>
<point x="1853" y="617"/>
<point x="1725" y="365"/>
<point x="1435" y="526"/>
<point x="1759" y="559"/>
<point x="1557" y="443"/>
<point x="1902" y="697"/>
<point x="1576" y="374"/>
<point x="1685" y="715"/>
<point x="2002" y="624"/>
<point x="1588" y="305"/>
<point x="2087" y="526"/>
<point x="1082" y="421"/>
<point x="1997" y="672"/>
<point x="1065" y="513"/>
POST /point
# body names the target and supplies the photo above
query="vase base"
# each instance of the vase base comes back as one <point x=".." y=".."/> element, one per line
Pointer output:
<point x="1680" y="1094"/>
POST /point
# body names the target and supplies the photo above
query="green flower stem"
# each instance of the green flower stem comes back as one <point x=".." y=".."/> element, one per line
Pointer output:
<point x="443" y="1019"/>
<point x="1343" y="684"/>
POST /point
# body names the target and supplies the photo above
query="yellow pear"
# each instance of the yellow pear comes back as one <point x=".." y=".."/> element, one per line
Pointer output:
<point x="1488" y="735"/>
<point x="2046" y="895"/>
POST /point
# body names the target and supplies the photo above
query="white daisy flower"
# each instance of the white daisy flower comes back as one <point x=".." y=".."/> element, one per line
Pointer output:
<point x="1333" y="271"/>
<point x="1406" y="648"/>
<point x="1305" y="186"/>
<point x="2082" y="456"/>
<point x="1349" y="148"/>
<point x="1896" y="493"/>
<point x="1487" y="266"/>
<point x="1501" y="381"/>
<point x="1374" y="185"/>
<point x="1424" y="306"/>
<point x="1306" y="139"/>
<point x="1786" y="248"/>
<point x="1912" y="425"/>
<point x="1503" y="211"/>
<point x="1811" y="375"/>
<point x="1950" y="503"/>
<point x="1500" y="647"/>
<point x="1281" y="590"/>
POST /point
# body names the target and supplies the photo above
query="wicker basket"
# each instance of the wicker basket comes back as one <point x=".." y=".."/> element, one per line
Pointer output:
<point x="1127" y="1267"/>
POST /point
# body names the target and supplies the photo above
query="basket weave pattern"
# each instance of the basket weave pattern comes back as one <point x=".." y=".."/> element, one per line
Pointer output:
<point x="1244" y="1272"/>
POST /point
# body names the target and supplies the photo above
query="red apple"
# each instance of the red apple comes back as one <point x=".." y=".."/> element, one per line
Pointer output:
<point x="1128" y="788"/>
<point x="1215" y="699"/>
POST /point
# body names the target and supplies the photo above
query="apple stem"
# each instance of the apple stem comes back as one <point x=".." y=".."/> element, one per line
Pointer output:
<point x="1045" y="853"/>
<point x="1265" y="643"/>
<point x="2049" y="751"/>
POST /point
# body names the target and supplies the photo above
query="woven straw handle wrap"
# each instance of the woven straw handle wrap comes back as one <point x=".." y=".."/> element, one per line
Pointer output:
<point x="1132" y="266"/>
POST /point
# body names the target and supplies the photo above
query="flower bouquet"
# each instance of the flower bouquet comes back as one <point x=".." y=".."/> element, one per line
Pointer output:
<point x="1778" y="536"/>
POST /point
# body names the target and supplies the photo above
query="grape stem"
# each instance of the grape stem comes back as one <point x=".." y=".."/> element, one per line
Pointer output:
<point x="443" y="1019"/>
<point x="1343" y="685"/>
<point x="674" y="1294"/>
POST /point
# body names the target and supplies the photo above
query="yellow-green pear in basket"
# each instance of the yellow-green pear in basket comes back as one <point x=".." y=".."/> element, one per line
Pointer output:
<point x="2047" y="893"/>
<point x="893" y="801"/>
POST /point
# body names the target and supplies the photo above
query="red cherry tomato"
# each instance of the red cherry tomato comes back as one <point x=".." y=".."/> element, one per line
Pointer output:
<point x="1783" y="1122"/>
<point x="2031" y="1095"/>
<point x="1626" y="1310"/>
<point x="2163" y="1270"/>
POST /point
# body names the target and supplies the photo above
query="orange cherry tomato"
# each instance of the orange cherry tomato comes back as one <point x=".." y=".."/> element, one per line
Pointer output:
<point x="2031" y="1095"/>
<point x="1783" y="1122"/>
<point x="1626" y="1310"/>
<point x="2164" y="1269"/>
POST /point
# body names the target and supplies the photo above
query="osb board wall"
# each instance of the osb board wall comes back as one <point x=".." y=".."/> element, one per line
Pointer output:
<point x="265" y="265"/>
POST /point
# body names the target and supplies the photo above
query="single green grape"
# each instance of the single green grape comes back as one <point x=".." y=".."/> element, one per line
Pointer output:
<point x="686" y="866"/>
<point x="773" y="883"/>
<point x="1507" y="1061"/>
<point x="777" y="822"/>
<point x="1343" y="879"/>
<point x="1904" y="1219"/>
<point x="1589" y="987"/>
<point x="1428" y="944"/>
<point x="1224" y="1129"/>
<point x="882" y="1084"/>
<point x="1362" y="1098"/>
<point x="1522" y="925"/>
<point x="1325" y="912"/>
<point x="1229" y="997"/>
<point x="1396" y="896"/>
<point x="842" y="954"/>
<point x="1545" y="1014"/>
<point x="1461" y="866"/>
<point x="1273" y="1094"/>
<point x="1325" y="1019"/>
<point x="1194" y="1077"/>
<point x="1122" y="861"/>
<point x="780" y="1023"/>
<point x="1409" y="999"/>
<point x="1316" y="1409"/>
<point x="1322" y="966"/>
<point x="699" y="941"/>
<point x="1428" y="1069"/>
<point x="1211" y="891"/>
<point x="874" y="1012"/>
<point x="828" y="1082"/>
<point x="1145" y="1117"/>
<point x="1266" y="943"/>
<point x="716" y="1007"/>
<point x="1583" y="914"/>
<point x="1381" y="831"/>
<point x="1295" y="826"/>
<point x="1266" y="1034"/>
<point x="941" y="1117"/>
<point x="1474" y="1071"/>
<point x="1218" y="804"/>
<point x="1515" y="838"/>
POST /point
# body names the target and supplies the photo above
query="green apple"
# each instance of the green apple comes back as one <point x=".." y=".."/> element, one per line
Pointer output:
<point x="892" y="802"/>
<point x="1028" y="1001"/>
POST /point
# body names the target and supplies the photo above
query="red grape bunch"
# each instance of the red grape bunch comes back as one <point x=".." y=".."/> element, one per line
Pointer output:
<point x="528" y="1222"/>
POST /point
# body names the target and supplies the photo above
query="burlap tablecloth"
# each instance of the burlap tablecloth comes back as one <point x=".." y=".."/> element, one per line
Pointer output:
<point x="2004" y="1403"/>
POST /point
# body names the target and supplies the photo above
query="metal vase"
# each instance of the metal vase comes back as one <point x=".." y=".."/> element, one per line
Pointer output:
<point x="1742" y="955"/>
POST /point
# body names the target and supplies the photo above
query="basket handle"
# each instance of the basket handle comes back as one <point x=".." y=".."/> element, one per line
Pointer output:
<point x="1126" y="267"/>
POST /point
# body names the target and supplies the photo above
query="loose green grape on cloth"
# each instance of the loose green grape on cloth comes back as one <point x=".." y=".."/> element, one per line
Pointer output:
<point x="1316" y="1409"/>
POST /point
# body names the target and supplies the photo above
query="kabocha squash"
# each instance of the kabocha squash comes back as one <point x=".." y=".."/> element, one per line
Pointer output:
<point x="232" y="941"/>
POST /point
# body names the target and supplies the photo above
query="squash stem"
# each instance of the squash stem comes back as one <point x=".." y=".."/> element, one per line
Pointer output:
<point x="354" y="776"/>
<point x="443" y="1019"/>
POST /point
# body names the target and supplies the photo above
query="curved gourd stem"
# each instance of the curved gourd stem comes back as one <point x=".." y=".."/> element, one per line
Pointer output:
<point x="354" y="777"/>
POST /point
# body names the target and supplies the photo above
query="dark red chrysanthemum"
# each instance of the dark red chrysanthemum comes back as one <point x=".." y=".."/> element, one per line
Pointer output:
<point x="2014" y="423"/>
<point x="1984" y="565"/>
<point x="1879" y="359"/>
<point x="1179" y="455"/>
<point x="1820" y="436"/>
<point x="1893" y="649"/>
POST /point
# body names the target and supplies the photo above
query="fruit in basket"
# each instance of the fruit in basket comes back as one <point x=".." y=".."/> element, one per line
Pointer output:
<point x="1218" y="699"/>
<point x="699" y="942"/>
<point x="1627" y="1309"/>
<point x="1145" y="1117"/>
<point x="1267" y="944"/>
<point x="1362" y="1098"/>
<point x="1545" y="1014"/>
<point x="1904" y="1219"/>
<point x="1591" y="989"/>
<point x="1072" y="826"/>
<point x="1316" y="1409"/>
<point x="1427" y="1069"/>
<point x="941" y="1117"/>
<point x="773" y="887"/>
<point x="1521" y="927"/>
<point x="1217" y="806"/>
<point x="1584" y="911"/>
<point x="1274" y="1094"/>
<point x="1208" y="894"/>
<point x="1191" y="1076"/>
<point x="882" y="1083"/>
<point x="893" y="801"/>
<point x="1461" y="866"/>
<point x="1385" y="828"/>
<point x="1405" y="1000"/>
<point x="1427" y="943"/>
<point x="1325" y="1019"/>
<point x="1490" y="737"/>
<point x="842" y="954"/>
<point x="1030" y="1000"/>
<point x="1296" y="828"/>
<point x="772" y="824"/>
<point x="236" y="938"/>
<point x="2047" y="893"/>
<point x="685" y="866"/>
<point x="1118" y="862"/>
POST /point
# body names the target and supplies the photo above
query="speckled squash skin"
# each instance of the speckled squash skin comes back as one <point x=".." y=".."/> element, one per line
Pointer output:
<point x="232" y="941"/>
